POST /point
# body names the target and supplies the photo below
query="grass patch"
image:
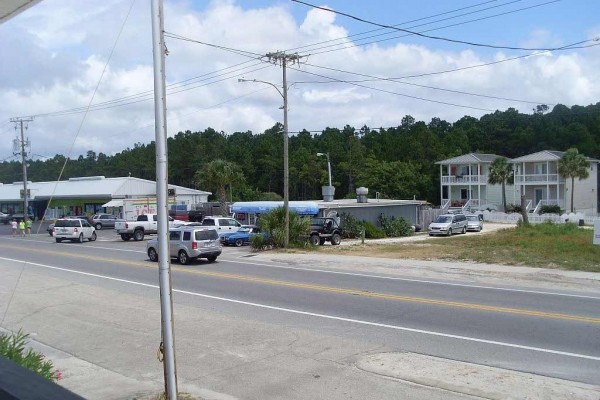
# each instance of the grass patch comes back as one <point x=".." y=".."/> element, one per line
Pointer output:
<point x="564" y="246"/>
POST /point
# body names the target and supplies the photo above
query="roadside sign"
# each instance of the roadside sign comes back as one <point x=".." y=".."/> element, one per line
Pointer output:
<point x="597" y="232"/>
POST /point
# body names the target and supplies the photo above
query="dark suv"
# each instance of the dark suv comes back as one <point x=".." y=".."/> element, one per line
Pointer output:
<point x="323" y="230"/>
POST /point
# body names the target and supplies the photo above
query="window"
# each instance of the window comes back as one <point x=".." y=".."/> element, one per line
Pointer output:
<point x="540" y="168"/>
<point x="187" y="235"/>
<point x="208" y="234"/>
<point x="208" y="222"/>
<point x="174" y="235"/>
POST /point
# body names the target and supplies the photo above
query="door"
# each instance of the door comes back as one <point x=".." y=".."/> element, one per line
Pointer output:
<point x="538" y="196"/>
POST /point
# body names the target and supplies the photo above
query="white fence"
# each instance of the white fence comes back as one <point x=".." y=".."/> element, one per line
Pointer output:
<point x="512" y="218"/>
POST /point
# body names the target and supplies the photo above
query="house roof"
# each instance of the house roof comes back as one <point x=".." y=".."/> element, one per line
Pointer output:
<point x="471" y="158"/>
<point x="89" y="187"/>
<point x="545" y="155"/>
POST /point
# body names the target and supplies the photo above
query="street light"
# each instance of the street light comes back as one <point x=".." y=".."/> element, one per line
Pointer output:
<point x="286" y="175"/>
<point x="328" y="165"/>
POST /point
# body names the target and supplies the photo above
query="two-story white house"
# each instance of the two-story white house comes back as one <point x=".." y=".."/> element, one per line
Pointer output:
<point x="464" y="182"/>
<point x="536" y="175"/>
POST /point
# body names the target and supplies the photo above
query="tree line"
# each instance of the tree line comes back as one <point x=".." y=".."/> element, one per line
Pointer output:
<point x="398" y="162"/>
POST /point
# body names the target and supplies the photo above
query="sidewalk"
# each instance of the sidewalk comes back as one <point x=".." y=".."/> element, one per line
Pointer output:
<point x="103" y="337"/>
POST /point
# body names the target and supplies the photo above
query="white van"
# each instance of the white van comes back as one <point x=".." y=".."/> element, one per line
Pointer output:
<point x="447" y="224"/>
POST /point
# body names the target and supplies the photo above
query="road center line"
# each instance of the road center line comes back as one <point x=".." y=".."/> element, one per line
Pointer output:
<point x="330" y="317"/>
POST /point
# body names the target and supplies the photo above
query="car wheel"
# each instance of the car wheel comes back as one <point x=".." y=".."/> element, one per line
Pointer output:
<point x="80" y="240"/>
<point x="58" y="240"/>
<point x="321" y="241"/>
<point x="93" y="237"/>
<point x="314" y="240"/>
<point x="152" y="254"/>
<point x="211" y="258"/>
<point x="183" y="257"/>
<point x="450" y="232"/>
<point x="125" y="236"/>
<point x="138" y="235"/>
<point x="98" y="226"/>
<point x="239" y="242"/>
<point x="464" y="230"/>
<point x="336" y="239"/>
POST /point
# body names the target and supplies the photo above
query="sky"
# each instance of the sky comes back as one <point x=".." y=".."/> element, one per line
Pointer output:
<point x="60" y="58"/>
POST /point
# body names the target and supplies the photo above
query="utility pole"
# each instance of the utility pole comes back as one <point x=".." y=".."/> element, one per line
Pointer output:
<point x="19" y="122"/>
<point x="164" y="261"/>
<point x="283" y="58"/>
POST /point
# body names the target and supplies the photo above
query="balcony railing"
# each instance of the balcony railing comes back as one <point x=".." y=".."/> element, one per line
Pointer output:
<point x="537" y="178"/>
<point x="465" y="179"/>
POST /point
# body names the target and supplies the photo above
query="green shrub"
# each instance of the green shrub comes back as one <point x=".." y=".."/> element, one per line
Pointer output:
<point x="373" y="232"/>
<point x="351" y="226"/>
<point x="513" y="208"/>
<point x="273" y="225"/>
<point x="550" y="209"/>
<point x="260" y="242"/>
<point x="13" y="347"/>
<point x="395" y="227"/>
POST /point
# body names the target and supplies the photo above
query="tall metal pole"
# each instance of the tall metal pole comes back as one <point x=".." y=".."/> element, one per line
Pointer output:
<point x="329" y="169"/>
<point x="286" y="172"/>
<point x="164" y="267"/>
<point x="24" y="163"/>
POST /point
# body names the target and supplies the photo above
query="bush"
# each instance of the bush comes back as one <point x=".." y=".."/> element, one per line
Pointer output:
<point x="273" y="225"/>
<point x="351" y="226"/>
<point x="260" y="242"/>
<point x="395" y="227"/>
<point x="373" y="232"/>
<point x="550" y="209"/>
<point x="513" y="208"/>
<point x="13" y="347"/>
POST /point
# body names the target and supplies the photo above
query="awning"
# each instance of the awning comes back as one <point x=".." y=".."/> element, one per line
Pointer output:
<point x="114" y="203"/>
<point x="260" y="207"/>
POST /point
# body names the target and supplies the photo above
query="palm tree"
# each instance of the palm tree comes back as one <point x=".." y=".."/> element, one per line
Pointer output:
<point x="501" y="172"/>
<point x="573" y="165"/>
<point x="219" y="174"/>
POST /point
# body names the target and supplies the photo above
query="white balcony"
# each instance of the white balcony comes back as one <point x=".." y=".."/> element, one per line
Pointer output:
<point x="465" y="179"/>
<point x="537" y="178"/>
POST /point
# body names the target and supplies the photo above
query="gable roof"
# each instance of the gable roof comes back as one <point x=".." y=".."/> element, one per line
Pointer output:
<point x="471" y="158"/>
<point x="545" y="155"/>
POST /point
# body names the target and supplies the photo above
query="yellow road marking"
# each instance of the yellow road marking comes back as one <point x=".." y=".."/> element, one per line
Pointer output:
<point x="330" y="289"/>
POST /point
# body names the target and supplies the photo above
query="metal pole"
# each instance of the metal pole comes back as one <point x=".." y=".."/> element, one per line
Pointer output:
<point x="286" y="175"/>
<point x="329" y="169"/>
<point x="24" y="162"/>
<point x="164" y="267"/>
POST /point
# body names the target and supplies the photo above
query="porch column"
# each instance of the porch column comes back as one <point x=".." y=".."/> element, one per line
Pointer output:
<point x="441" y="185"/>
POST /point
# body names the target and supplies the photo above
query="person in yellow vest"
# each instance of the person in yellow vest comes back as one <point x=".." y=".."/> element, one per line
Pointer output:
<point x="22" y="227"/>
<point x="28" y="225"/>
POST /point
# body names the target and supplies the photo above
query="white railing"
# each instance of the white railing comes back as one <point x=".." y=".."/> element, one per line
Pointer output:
<point x="549" y="202"/>
<point x="537" y="178"/>
<point x="446" y="205"/>
<point x="513" y="218"/>
<point x="528" y="205"/>
<point x="472" y="179"/>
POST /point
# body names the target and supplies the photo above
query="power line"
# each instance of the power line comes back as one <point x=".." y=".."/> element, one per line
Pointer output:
<point x="429" y="36"/>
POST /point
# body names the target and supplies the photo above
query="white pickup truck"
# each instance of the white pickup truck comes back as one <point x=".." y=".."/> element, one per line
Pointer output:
<point x="143" y="225"/>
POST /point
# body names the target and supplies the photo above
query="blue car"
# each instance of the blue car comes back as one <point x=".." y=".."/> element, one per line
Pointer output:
<point x="241" y="237"/>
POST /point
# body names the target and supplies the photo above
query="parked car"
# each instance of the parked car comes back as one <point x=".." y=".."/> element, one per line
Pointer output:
<point x="240" y="237"/>
<point x="100" y="221"/>
<point x="324" y="230"/>
<point x="4" y="218"/>
<point x="73" y="229"/>
<point x="474" y="222"/>
<point x="188" y="243"/>
<point x="221" y="224"/>
<point x="447" y="224"/>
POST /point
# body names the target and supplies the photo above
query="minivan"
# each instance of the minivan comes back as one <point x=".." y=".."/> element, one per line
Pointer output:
<point x="447" y="224"/>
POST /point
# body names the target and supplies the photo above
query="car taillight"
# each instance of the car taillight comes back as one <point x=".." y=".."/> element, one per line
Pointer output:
<point x="194" y="245"/>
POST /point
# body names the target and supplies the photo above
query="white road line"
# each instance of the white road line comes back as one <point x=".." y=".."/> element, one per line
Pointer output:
<point x="330" y="317"/>
<point x="419" y="280"/>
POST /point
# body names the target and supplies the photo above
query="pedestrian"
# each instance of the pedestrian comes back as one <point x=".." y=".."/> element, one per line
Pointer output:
<point x="22" y="227"/>
<point x="14" y="227"/>
<point x="28" y="225"/>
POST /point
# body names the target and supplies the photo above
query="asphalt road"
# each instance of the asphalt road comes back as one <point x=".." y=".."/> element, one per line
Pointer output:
<point x="546" y="332"/>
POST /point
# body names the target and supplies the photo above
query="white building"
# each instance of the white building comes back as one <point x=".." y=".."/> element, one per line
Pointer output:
<point x="87" y="195"/>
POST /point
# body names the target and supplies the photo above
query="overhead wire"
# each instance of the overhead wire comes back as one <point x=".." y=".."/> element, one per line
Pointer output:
<point x="441" y="38"/>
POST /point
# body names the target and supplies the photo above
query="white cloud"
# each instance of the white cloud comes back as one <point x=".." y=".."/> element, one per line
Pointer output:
<point x="54" y="54"/>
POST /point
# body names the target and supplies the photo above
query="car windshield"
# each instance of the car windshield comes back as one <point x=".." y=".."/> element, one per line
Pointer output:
<point x="472" y="218"/>
<point x="67" y="223"/>
<point x="317" y="221"/>
<point x="245" y="229"/>
<point x="442" y="219"/>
